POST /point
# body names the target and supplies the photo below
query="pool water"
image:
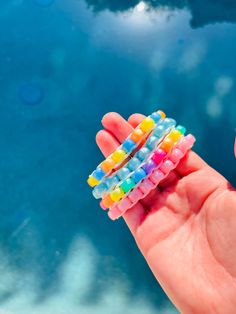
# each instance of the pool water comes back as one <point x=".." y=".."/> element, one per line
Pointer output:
<point x="63" y="65"/>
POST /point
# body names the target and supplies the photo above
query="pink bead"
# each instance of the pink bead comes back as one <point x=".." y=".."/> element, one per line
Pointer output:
<point x="114" y="213"/>
<point x="176" y="155"/>
<point x="186" y="143"/>
<point x="103" y="206"/>
<point x="191" y="139"/>
<point x="135" y="195"/>
<point x="124" y="204"/>
<point x="167" y="166"/>
<point x="157" y="176"/>
<point x="183" y="145"/>
<point x="146" y="186"/>
<point x="158" y="156"/>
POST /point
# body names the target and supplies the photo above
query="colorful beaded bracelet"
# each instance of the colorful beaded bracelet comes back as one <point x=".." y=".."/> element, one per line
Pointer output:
<point x="150" y="183"/>
<point x="144" y="169"/>
<point x="163" y="161"/>
<point x="156" y="136"/>
<point x="123" y="151"/>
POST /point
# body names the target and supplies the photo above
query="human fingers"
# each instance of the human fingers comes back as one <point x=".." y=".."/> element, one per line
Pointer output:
<point x="135" y="119"/>
<point x="117" y="126"/>
<point x="106" y="142"/>
<point x="191" y="162"/>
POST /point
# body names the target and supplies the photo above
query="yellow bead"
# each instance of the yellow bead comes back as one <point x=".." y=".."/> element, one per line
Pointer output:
<point x="117" y="194"/>
<point x="92" y="181"/>
<point x="147" y="124"/>
<point x="119" y="155"/>
<point x="162" y="114"/>
<point x="174" y="135"/>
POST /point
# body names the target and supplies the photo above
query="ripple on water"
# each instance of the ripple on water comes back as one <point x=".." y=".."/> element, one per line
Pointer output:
<point x="31" y="93"/>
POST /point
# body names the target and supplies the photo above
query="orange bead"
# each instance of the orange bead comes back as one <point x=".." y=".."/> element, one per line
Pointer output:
<point x="107" y="165"/>
<point x="162" y="114"/>
<point x="107" y="201"/>
<point x="167" y="144"/>
<point x="137" y="135"/>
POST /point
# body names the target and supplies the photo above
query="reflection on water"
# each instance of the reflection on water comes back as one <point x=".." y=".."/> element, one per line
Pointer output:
<point x="59" y="252"/>
<point x="203" y="11"/>
<point x="70" y="295"/>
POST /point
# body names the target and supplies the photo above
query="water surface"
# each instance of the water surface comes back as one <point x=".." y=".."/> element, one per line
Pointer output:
<point x="77" y="60"/>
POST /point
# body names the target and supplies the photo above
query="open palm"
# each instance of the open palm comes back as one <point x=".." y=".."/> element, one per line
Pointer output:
<point x="186" y="228"/>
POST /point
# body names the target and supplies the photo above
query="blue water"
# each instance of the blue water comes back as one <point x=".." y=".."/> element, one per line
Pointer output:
<point x="76" y="60"/>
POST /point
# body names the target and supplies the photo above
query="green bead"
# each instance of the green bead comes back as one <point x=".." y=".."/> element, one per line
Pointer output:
<point x="127" y="185"/>
<point x="181" y="129"/>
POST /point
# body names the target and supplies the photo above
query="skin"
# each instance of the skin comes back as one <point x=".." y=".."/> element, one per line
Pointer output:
<point x="185" y="229"/>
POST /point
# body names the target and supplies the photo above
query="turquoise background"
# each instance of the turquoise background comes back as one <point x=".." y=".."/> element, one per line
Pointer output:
<point x="63" y="65"/>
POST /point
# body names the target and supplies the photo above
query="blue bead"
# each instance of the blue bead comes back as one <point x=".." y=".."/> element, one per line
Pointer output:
<point x="151" y="142"/>
<point x="143" y="153"/>
<point x="133" y="163"/>
<point x="123" y="173"/>
<point x="98" y="174"/>
<point x="159" y="131"/>
<point x="138" y="175"/>
<point x="156" y="117"/>
<point x="168" y="122"/>
<point x="128" y="145"/>
<point x="99" y="190"/>
<point x="111" y="182"/>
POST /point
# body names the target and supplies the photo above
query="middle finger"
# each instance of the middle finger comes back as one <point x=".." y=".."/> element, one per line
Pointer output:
<point x="117" y="126"/>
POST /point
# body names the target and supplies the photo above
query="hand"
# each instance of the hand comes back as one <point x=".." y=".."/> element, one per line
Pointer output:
<point x="185" y="229"/>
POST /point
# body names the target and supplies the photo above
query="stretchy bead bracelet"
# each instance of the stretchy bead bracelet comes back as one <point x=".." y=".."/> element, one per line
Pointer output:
<point x="138" y="165"/>
<point x="150" y="183"/>
<point x="156" y="136"/>
<point x="144" y="169"/>
<point x="124" y="151"/>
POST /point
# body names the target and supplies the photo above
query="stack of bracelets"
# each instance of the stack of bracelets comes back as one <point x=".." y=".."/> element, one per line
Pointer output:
<point x="137" y="166"/>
